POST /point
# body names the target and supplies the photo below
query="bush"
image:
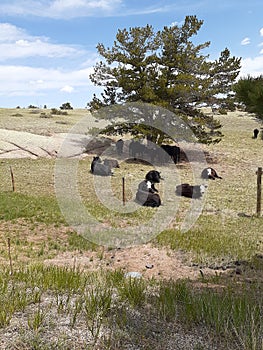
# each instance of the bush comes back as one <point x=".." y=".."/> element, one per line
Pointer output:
<point x="66" y="106"/>
<point x="55" y="111"/>
<point x="222" y="111"/>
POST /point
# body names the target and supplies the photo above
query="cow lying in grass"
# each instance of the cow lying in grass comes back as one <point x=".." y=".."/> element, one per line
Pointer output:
<point x="98" y="168"/>
<point x="190" y="191"/>
<point x="147" y="193"/>
<point x="210" y="173"/>
<point x="103" y="168"/>
<point x="112" y="163"/>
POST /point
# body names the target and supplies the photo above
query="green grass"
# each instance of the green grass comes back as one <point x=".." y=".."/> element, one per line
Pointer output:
<point x="38" y="209"/>
<point x="212" y="243"/>
<point x="110" y="310"/>
<point x="220" y="234"/>
<point x="106" y="304"/>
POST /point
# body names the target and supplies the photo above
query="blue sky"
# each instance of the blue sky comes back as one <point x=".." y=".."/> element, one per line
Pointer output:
<point x="48" y="47"/>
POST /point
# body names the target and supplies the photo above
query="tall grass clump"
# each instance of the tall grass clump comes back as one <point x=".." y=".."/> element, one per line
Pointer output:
<point x="171" y="297"/>
<point x="133" y="291"/>
<point x="235" y="314"/>
<point x="110" y="303"/>
<point x="97" y="306"/>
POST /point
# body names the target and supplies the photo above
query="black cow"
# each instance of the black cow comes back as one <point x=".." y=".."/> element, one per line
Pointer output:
<point x="173" y="152"/>
<point x="255" y="133"/>
<point x="147" y="193"/>
<point x="190" y="191"/>
<point x="119" y="146"/>
<point x="98" y="168"/>
<point x="136" y="149"/>
<point x="210" y="173"/>
<point x="112" y="163"/>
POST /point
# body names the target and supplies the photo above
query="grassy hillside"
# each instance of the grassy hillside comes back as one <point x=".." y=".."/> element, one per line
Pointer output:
<point x="49" y="302"/>
<point x="43" y="121"/>
<point x="227" y="228"/>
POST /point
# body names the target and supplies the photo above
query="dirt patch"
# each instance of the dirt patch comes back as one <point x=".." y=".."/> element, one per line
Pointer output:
<point x="50" y="245"/>
<point x="147" y="260"/>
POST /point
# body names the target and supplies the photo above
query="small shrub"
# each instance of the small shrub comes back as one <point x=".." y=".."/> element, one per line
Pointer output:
<point x="45" y="115"/>
<point x="55" y="111"/>
<point x="222" y="111"/>
<point x="17" y="115"/>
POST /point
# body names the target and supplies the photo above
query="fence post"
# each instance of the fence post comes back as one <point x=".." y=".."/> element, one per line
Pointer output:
<point x="259" y="190"/>
<point x="13" y="179"/>
<point x="123" y="191"/>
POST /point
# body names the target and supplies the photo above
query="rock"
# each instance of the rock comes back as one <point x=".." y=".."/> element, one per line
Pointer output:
<point x="149" y="266"/>
<point x="133" y="274"/>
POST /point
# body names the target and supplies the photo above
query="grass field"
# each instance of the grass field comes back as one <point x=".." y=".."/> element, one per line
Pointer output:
<point x="51" y="306"/>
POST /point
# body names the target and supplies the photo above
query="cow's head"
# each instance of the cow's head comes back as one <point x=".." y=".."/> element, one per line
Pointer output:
<point x="97" y="159"/>
<point x="154" y="176"/>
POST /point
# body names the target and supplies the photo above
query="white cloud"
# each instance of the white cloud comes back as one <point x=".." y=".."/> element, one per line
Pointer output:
<point x="26" y="81"/>
<point x="261" y="32"/>
<point x="67" y="88"/>
<point x="38" y="77"/>
<point x="10" y="33"/>
<point x="62" y="5"/>
<point x="245" y="41"/>
<point x="252" y="66"/>
<point x="60" y="8"/>
<point x="17" y="43"/>
<point x="88" y="8"/>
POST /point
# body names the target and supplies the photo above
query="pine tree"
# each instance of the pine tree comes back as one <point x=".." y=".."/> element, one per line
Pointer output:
<point x="165" y="69"/>
<point x="249" y="92"/>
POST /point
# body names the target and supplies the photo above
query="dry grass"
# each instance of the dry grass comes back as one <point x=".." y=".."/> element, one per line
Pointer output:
<point x="227" y="228"/>
<point x="221" y="307"/>
<point x="32" y="120"/>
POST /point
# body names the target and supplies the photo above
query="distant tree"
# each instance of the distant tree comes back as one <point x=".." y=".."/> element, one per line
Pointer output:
<point x="168" y="70"/>
<point x="45" y="106"/>
<point x="249" y="92"/>
<point x="66" y="106"/>
<point x="31" y="107"/>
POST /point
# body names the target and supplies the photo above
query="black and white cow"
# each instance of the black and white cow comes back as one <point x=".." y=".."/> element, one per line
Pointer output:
<point x="147" y="193"/>
<point x="210" y="173"/>
<point x="98" y="168"/>
<point x="190" y="191"/>
<point x="154" y="177"/>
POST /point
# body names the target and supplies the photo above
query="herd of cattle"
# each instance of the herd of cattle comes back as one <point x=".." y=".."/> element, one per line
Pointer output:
<point x="152" y="153"/>
<point x="147" y="194"/>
